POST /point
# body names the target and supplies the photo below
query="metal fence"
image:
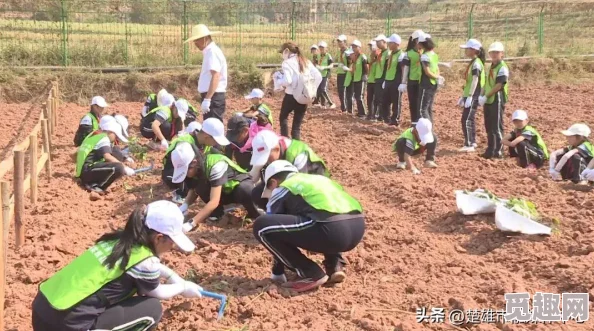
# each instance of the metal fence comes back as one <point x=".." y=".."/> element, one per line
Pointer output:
<point x="101" y="33"/>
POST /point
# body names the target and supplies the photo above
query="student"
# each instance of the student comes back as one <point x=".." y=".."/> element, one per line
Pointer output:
<point x="90" y="122"/>
<point x="163" y="123"/>
<point x="494" y="96"/>
<point x="309" y="212"/>
<point x="359" y="71"/>
<point x="96" y="290"/>
<point x="96" y="165"/>
<point x="349" y="87"/>
<point x="325" y="64"/>
<point x="380" y="72"/>
<point x="393" y="77"/>
<point x="429" y="76"/>
<point x="220" y="182"/>
<point x="525" y="143"/>
<point x="315" y="57"/>
<point x="411" y="75"/>
<point x="371" y="112"/>
<point x="153" y="101"/>
<point x="343" y="61"/>
<point x="269" y="147"/>
<point x="238" y="133"/>
<point x="570" y="162"/>
<point x="258" y="107"/>
<point x="475" y="80"/>
<point x="415" y="141"/>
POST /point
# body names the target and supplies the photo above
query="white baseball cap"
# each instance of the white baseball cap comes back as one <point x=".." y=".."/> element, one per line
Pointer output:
<point x="104" y="120"/>
<point x="578" y="129"/>
<point x="424" y="127"/>
<point x="166" y="99"/>
<point x="123" y="122"/>
<point x="314" y="46"/>
<point x="99" y="101"/>
<point x="256" y="93"/>
<point x="473" y="44"/>
<point x="166" y="218"/>
<point x="381" y="37"/>
<point x="417" y="34"/>
<point x="194" y="126"/>
<point x="341" y="38"/>
<point x="496" y="47"/>
<point x="276" y="167"/>
<point x="160" y="96"/>
<point x="519" y="115"/>
<point x="423" y="37"/>
<point x="348" y="52"/>
<point x="215" y="128"/>
<point x="356" y="43"/>
<point x="263" y="142"/>
<point x="182" y="108"/>
<point x="112" y="125"/>
<point x="323" y="44"/>
<point x="395" y="39"/>
<point x="181" y="157"/>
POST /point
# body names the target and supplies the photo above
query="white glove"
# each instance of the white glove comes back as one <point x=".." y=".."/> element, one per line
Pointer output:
<point x="205" y="106"/>
<point x="555" y="175"/>
<point x="129" y="171"/>
<point x="130" y="160"/>
<point x="416" y="171"/>
<point x="468" y="102"/>
<point x="590" y="176"/>
<point x="345" y="68"/>
<point x="586" y="173"/>
<point x="319" y="67"/>
<point x="191" y="290"/>
<point x="440" y="81"/>
<point x="402" y="88"/>
<point x="184" y="208"/>
<point x="384" y="85"/>
<point x="482" y="100"/>
<point x="278" y="278"/>
<point x="164" y="144"/>
<point x="461" y="102"/>
<point x="187" y="227"/>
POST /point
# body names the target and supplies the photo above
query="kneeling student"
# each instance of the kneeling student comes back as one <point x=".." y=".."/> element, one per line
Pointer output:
<point x="525" y="143"/>
<point x="570" y="162"/>
<point x="90" y="122"/>
<point x="415" y="141"/>
<point x="310" y="212"/>
<point x="163" y="123"/>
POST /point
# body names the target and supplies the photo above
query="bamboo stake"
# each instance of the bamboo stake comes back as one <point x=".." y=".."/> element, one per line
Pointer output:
<point x="46" y="148"/>
<point x="19" y="196"/>
<point x="50" y="115"/>
<point x="5" y="196"/>
<point x="33" y="166"/>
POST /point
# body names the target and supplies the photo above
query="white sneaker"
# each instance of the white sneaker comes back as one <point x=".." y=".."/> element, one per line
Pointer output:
<point x="467" y="149"/>
<point x="401" y="165"/>
<point x="430" y="164"/>
<point x="333" y="106"/>
<point x="474" y="145"/>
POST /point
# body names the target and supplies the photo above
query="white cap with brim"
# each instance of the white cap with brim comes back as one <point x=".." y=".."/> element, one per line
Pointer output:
<point x="123" y="123"/>
<point x="356" y="43"/>
<point x="215" y="128"/>
<point x="424" y="128"/>
<point x="201" y="31"/>
<point x="519" y="115"/>
<point x="160" y="96"/>
<point x="99" y="101"/>
<point x="341" y="38"/>
<point x="349" y="52"/>
<point x="255" y="94"/>
<point x="277" y="167"/>
<point x="395" y="39"/>
<point x="194" y="126"/>
<point x="496" y="47"/>
<point x="167" y="100"/>
<point x="105" y="119"/>
<point x="323" y="44"/>
<point x="381" y="37"/>
<point x="262" y="144"/>
<point x="472" y="44"/>
<point x="116" y="128"/>
<point x="578" y="129"/>
<point x="181" y="157"/>
<point x="182" y="108"/>
<point x="314" y="46"/>
<point x="417" y="34"/>
<point x="166" y="218"/>
<point x="424" y="37"/>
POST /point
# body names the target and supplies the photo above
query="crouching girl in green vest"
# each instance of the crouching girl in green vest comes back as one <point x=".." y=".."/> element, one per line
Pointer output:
<point x="415" y="141"/>
<point x="571" y="162"/>
<point x="525" y="143"/>
<point x="163" y="123"/>
<point x="90" y="122"/>
<point x="309" y="212"/>
<point x="96" y="291"/>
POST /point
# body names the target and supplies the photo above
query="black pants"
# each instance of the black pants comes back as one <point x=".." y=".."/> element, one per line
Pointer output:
<point x="322" y="96"/>
<point x="412" y="89"/>
<point x="182" y="188"/>
<point x="401" y="149"/>
<point x="359" y="88"/>
<point x="391" y="100"/>
<point x="469" y="124"/>
<point x="371" y="112"/>
<point x="138" y="313"/>
<point x="102" y="174"/>
<point x="426" y="98"/>
<point x="379" y="95"/>
<point x="527" y="154"/>
<point x="217" y="105"/>
<point x="146" y="129"/>
<point x="572" y="170"/>
<point x="340" y="85"/>
<point x="242" y="194"/>
<point x="283" y="235"/>
<point x="494" y="126"/>
<point x="290" y="105"/>
<point x="349" y="92"/>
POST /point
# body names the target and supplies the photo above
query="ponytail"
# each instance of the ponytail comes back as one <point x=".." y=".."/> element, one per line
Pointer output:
<point x="411" y="44"/>
<point x="135" y="233"/>
<point x="294" y="49"/>
<point x="482" y="55"/>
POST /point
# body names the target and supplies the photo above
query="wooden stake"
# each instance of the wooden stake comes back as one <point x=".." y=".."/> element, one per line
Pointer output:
<point x="5" y="196"/>
<point x="50" y="115"/>
<point x="33" y="166"/>
<point x="55" y="113"/>
<point x="19" y="196"/>
<point x="47" y="141"/>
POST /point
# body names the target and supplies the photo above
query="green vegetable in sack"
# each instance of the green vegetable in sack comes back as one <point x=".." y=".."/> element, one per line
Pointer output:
<point x="483" y="194"/>
<point x="524" y="208"/>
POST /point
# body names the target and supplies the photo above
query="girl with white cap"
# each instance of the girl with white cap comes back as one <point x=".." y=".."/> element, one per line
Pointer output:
<point x="429" y="76"/>
<point x="371" y="111"/>
<point x="324" y="65"/>
<point x="411" y="75"/>
<point x="525" y="142"/>
<point x="343" y="60"/>
<point x="314" y="54"/>
<point x="570" y="163"/>
<point x="380" y="72"/>
<point x="474" y="82"/>
<point x="393" y="78"/>
<point x="415" y="141"/>
<point x="163" y="123"/>
<point x="358" y="73"/>
<point x="348" y="81"/>
<point x="90" y="122"/>
<point x="153" y="101"/>
<point x="96" y="291"/>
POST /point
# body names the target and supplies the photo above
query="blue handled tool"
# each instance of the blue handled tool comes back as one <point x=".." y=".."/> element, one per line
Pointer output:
<point x="221" y="297"/>
<point x="145" y="169"/>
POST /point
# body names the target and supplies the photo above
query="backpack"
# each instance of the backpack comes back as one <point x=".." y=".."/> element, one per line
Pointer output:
<point x="306" y="89"/>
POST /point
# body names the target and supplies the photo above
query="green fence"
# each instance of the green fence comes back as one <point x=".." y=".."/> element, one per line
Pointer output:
<point x="151" y="33"/>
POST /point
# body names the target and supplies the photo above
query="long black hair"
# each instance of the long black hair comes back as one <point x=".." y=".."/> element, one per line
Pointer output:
<point x="482" y="55"/>
<point x="135" y="233"/>
<point x="428" y="45"/>
<point x="281" y="176"/>
<point x="411" y="44"/>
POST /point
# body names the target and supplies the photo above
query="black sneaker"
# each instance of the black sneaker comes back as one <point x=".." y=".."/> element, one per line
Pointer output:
<point x="94" y="188"/>
<point x="336" y="273"/>
<point x="487" y="156"/>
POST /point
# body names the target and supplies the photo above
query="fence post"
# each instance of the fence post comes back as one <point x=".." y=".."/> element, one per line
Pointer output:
<point x="33" y="166"/>
<point x="46" y="148"/>
<point x="185" y="32"/>
<point x="471" y="21"/>
<point x="19" y="196"/>
<point x="293" y="20"/>
<point x="126" y="55"/>
<point x="389" y="20"/>
<point x="55" y="112"/>
<point x="64" y="34"/>
<point x="5" y="195"/>
<point x="49" y="115"/>
<point x="541" y="30"/>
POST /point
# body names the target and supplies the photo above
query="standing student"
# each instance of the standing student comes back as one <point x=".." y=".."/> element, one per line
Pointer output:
<point x="348" y="81"/>
<point x="429" y="76"/>
<point x="325" y="64"/>
<point x="415" y="141"/>
<point x="343" y="60"/>
<point x="294" y="65"/>
<point x="359" y="71"/>
<point x="163" y="123"/>
<point x="380" y="72"/>
<point x="371" y="111"/>
<point x="315" y="54"/>
<point x="212" y="83"/>
<point x="475" y="80"/>
<point x="96" y="291"/>
<point x="313" y="213"/>
<point x="90" y="122"/>
<point x="494" y="96"/>
<point x="411" y="75"/>
<point x="525" y="143"/>
<point x="393" y="77"/>
<point x="571" y="162"/>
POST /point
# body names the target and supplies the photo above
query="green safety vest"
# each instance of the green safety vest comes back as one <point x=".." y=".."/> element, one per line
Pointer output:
<point x="167" y="111"/>
<point x="415" y="69"/>
<point x="94" y="121"/>
<point x="322" y="193"/>
<point x="393" y="68"/>
<point x="86" y="148"/>
<point x="181" y="138"/>
<point x="152" y="101"/>
<point x="348" y="79"/>
<point x="408" y="135"/>
<point x="87" y="274"/>
<point x="344" y="60"/>
<point x="264" y="108"/>
<point x="212" y="159"/>
<point x="358" y="74"/>
<point x="588" y="146"/>
<point x="372" y="71"/>
<point x="469" y="77"/>
<point x="539" y="141"/>
<point x="491" y="81"/>
<point x="379" y="72"/>
<point x="324" y="63"/>
<point x="433" y="65"/>
<point x="297" y="147"/>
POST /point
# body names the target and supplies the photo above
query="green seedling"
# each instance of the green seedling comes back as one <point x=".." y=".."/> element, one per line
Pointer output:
<point x="524" y="208"/>
<point x="483" y="194"/>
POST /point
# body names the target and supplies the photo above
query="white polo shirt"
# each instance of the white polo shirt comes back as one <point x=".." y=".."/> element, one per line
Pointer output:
<point x="214" y="59"/>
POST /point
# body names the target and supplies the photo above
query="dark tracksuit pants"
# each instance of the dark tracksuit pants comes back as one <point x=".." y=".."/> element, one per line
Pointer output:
<point x="379" y="95"/>
<point x="469" y="124"/>
<point x="146" y="129"/>
<point x="340" y="85"/>
<point x="349" y="92"/>
<point x="359" y="89"/>
<point x="401" y="149"/>
<point x="284" y="235"/>
<point x="527" y="154"/>
<point x="242" y="194"/>
<point x="426" y="99"/>
<point x="494" y="126"/>
<point x="101" y="174"/>
<point x="413" y="101"/>
<point x="322" y="96"/>
<point x="218" y="105"/>
<point x="290" y="105"/>
<point x="391" y="100"/>
<point x="572" y="170"/>
<point x="371" y="113"/>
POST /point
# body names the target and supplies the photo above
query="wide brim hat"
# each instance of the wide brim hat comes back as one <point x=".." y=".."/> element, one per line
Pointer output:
<point x="201" y="31"/>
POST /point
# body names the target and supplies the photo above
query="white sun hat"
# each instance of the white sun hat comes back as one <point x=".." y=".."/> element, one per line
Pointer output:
<point x="417" y="34"/>
<point x="166" y="218"/>
<point x="341" y="38"/>
<point x="424" y="127"/>
<point x="112" y="125"/>
<point x="255" y="94"/>
<point x="123" y="122"/>
<point x="194" y="126"/>
<point x="262" y="144"/>
<point x="578" y="129"/>
<point x="473" y="44"/>
<point x="520" y="115"/>
<point x="215" y="128"/>
<point x="182" y="108"/>
<point x="395" y="39"/>
<point x="496" y="47"/>
<point x="99" y="101"/>
<point x="201" y="31"/>
<point x="276" y="167"/>
<point x="181" y="157"/>
<point x="356" y="43"/>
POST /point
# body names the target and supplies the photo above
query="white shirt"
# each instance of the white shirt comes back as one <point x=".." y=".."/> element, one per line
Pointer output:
<point x="291" y="73"/>
<point x="215" y="60"/>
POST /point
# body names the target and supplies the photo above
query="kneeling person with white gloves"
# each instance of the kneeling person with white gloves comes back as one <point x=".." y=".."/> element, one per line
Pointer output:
<point x="574" y="161"/>
<point x="415" y="141"/>
<point x="163" y="123"/>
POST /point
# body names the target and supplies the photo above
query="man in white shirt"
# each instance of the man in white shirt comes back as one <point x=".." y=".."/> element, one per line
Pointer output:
<point x="212" y="83"/>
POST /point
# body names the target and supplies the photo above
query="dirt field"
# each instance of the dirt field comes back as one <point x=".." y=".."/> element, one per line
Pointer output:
<point x="417" y="252"/>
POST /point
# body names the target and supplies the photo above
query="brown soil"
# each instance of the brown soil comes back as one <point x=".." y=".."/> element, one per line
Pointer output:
<point x="418" y="251"/>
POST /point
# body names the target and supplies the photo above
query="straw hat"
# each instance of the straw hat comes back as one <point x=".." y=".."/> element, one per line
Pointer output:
<point x="201" y="31"/>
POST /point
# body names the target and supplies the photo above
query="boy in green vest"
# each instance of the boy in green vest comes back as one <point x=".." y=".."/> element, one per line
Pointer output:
<point x="574" y="161"/>
<point x="411" y="75"/>
<point x="325" y="64"/>
<point x="164" y="122"/>
<point x="415" y="141"/>
<point x="380" y="72"/>
<point x="494" y="96"/>
<point x="309" y="212"/>
<point x="348" y="80"/>
<point x="153" y="101"/>
<point x="525" y="143"/>
<point x="371" y="112"/>
<point x="393" y="77"/>
<point x="359" y="71"/>
<point x="429" y="76"/>
<point x="343" y="60"/>
<point x="90" y="122"/>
